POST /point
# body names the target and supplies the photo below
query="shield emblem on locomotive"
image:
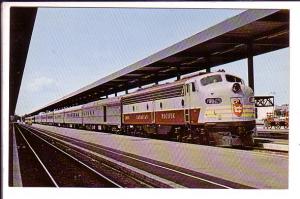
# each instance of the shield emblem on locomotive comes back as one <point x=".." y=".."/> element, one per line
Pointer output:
<point x="237" y="107"/>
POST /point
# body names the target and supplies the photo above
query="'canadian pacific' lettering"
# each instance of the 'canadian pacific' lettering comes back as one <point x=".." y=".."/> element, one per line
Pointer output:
<point x="167" y="116"/>
<point x="141" y="117"/>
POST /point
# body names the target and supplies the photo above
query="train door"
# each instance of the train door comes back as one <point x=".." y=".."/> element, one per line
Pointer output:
<point x="187" y="102"/>
<point x="104" y="114"/>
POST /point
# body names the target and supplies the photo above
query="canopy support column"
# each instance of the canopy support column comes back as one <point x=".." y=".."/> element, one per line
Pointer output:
<point x="250" y="65"/>
<point x="178" y="72"/>
<point x="209" y="64"/>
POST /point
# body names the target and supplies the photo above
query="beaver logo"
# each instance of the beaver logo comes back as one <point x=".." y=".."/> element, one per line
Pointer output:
<point x="237" y="107"/>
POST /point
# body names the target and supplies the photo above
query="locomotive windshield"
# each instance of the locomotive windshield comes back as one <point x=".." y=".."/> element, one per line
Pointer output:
<point x="231" y="78"/>
<point x="211" y="79"/>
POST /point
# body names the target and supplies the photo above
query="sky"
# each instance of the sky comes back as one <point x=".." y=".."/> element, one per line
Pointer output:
<point x="73" y="47"/>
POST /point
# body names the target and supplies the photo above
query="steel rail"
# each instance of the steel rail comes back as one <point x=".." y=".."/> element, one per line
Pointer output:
<point x="156" y="165"/>
<point x="44" y="167"/>
<point x="77" y="160"/>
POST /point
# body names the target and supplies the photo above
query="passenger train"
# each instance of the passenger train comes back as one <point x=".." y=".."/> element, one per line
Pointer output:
<point x="208" y="108"/>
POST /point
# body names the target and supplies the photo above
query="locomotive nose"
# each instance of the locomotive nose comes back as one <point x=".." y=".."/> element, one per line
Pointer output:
<point x="236" y="87"/>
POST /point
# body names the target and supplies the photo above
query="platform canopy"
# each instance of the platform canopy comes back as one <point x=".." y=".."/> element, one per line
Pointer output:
<point x="248" y="34"/>
<point x="21" y="26"/>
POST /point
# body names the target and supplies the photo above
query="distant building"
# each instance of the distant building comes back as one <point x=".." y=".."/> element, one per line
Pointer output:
<point x="282" y="110"/>
<point x="262" y="113"/>
<point x="279" y="111"/>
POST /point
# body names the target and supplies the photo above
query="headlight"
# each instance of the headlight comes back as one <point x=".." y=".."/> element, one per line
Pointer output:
<point x="236" y="87"/>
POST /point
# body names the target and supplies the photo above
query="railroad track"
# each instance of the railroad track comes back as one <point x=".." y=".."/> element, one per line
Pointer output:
<point x="50" y="166"/>
<point x="144" y="170"/>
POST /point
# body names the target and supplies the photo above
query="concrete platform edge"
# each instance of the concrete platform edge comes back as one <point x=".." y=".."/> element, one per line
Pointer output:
<point x="17" y="178"/>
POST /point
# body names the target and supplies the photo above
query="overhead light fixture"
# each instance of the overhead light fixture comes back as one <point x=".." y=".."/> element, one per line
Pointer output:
<point x="277" y="34"/>
<point x="166" y="70"/>
<point x="239" y="45"/>
<point x="215" y="53"/>
<point x="227" y="51"/>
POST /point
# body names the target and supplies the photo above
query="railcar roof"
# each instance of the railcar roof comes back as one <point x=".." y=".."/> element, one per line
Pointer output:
<point x="156" y="88"/>
<point x="73" y="108"/>
<point x="59" y="111"/>
<point x="108" y="101"/>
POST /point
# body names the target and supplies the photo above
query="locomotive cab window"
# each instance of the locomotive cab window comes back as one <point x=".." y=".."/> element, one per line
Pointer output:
<point x="231" y="78"/>
<point x="211" y="79"/>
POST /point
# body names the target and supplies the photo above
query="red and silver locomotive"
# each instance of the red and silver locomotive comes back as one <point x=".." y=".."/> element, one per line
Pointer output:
<point x="207" y="108"/>
<point x="211" y="108"/>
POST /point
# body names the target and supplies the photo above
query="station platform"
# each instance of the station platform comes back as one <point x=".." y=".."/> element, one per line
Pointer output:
<point x="250" y="168"/>
<point x="16" y="173"/>
<point x="261" y="128"/>
<point x="273" y="144"/>
<point x="272" y="133"/>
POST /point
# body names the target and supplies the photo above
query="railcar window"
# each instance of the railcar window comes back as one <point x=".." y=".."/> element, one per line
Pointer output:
<point x="211" y="79"/>
<point x="182" y="91"/>
<point x="231" y="78"/>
